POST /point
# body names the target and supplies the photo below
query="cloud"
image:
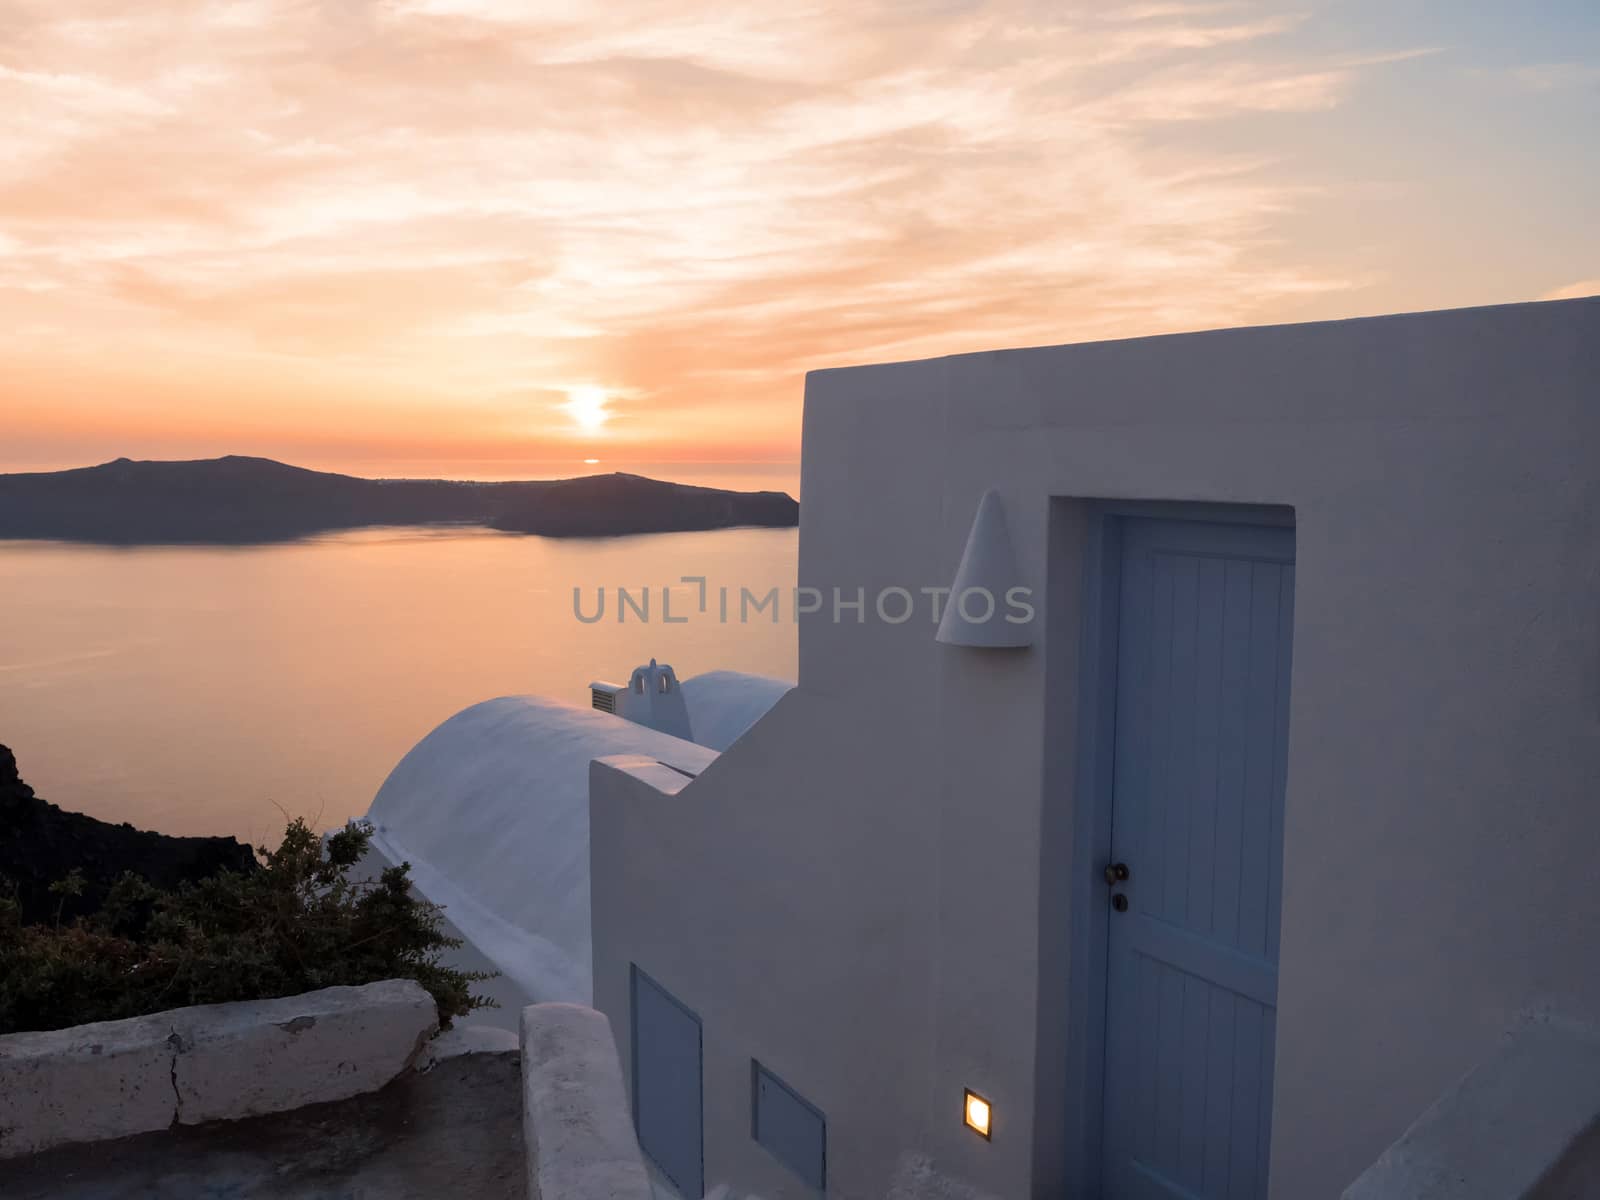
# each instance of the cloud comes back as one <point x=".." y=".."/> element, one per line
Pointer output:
<point x="1556" y="77"/>
<point x="1583" y="289"/>
<point x="690" y="203"/>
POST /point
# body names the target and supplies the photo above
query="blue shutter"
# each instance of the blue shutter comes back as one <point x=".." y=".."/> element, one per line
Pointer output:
<point x="790" y="1128"/>
<point x="667" y="1084"/>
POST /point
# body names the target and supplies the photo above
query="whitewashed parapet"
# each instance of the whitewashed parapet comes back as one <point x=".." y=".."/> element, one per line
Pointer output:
<point x="86" y="1084"/>
<point x="575" y="1118"/>
<point x="1519" y="1127"/>
<point x="266" y="1056"/>
<point x="205" y="1063"/>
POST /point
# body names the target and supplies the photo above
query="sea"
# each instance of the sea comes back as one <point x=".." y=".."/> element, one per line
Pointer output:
<point x="226" y="689"/>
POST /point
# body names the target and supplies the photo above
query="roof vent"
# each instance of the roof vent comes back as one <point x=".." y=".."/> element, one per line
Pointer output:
<point x="652" y="696"/>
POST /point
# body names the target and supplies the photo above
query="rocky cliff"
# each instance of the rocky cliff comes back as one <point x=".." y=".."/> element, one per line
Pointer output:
<point x="40" y="843"/>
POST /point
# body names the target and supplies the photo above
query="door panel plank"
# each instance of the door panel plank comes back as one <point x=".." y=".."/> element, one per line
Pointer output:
<point x="1178" y="706"/>
<point x="1219" y="1114"/>
<point x="1196" y="1065"/>
<point x="1206" y="717"/>
<point x="1224" y="968"/>
<point x="1246" y="1101"/>
<point x="1232" y="724"/>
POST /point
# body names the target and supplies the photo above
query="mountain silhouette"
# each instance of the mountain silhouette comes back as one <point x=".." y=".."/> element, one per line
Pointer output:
<point x="237" y="499"/>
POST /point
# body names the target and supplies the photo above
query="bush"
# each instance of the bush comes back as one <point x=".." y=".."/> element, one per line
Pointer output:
<point x="297" y="924"/>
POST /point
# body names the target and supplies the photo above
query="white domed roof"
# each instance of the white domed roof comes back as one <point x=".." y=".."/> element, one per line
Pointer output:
<point x="496" y="801"/>
<point x="491" y="810"/>
<point x="723" y="704"/>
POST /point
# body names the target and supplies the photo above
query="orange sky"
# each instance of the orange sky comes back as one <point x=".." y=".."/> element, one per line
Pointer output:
<point x="449" y="231"/>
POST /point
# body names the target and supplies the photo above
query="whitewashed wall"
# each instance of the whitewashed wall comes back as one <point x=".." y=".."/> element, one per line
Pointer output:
<point x="868" y="890"/>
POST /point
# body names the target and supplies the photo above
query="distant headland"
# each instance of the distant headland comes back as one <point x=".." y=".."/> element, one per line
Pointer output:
<point x="238" y="499"/>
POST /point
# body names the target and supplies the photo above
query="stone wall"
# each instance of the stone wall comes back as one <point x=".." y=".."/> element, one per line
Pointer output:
<point x="214" y="1062"/>
<point x="575" y="1117"/>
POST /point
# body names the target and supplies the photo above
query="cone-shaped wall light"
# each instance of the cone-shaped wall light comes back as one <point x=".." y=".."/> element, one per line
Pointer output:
<point x="988" y="601"/>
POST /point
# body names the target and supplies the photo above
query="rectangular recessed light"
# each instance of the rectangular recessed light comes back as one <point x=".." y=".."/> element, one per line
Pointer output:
<point x="977" y="1113"/>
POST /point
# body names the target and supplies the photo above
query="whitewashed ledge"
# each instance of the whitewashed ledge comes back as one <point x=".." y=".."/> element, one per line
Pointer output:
<point x="1524" y="1125"/>
<point x="213" y="1062"/>
<point x="576" y="1123"/>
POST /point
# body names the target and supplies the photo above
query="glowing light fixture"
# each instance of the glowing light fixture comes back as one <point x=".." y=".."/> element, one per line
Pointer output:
<point x="977" y="1113"/>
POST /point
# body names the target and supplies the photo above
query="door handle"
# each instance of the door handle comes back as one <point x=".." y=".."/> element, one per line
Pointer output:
<point x="1116" y="873"/>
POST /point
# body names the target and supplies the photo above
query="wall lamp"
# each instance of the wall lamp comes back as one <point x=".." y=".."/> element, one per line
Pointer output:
<point x="986" y="585"/>
<point x="977" y="1113"/>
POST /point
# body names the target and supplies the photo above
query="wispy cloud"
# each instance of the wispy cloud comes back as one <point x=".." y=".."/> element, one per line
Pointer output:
<point x="1574" y="291"/>
<point x="442" y="204"/>
<point x="1556" y="77"/>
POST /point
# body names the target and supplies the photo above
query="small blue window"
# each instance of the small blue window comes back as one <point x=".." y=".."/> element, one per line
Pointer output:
<point x="793" y="1130"/>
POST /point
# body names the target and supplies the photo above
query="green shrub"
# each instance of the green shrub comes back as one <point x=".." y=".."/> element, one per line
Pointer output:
<point x="298" y="924"/>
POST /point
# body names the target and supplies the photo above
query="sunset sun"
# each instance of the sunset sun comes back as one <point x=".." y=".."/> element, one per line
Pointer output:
<point x="587" y="408"/>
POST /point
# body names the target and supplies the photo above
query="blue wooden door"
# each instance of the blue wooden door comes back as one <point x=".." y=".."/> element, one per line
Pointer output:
<point x="1203" y="650"/>
<point x="667" y="1085"/>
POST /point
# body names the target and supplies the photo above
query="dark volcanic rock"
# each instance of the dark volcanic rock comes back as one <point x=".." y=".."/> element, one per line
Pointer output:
<point x="242" y="500"/>
<point x="604" y="505"/>
<point x="39" y="844"/>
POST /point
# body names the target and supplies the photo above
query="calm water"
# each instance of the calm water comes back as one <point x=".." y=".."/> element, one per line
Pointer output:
<point x="201" y="689"/>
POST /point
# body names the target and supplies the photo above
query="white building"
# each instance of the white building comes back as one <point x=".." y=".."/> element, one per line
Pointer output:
<point x="1315" y="654"/>
<point x="491" y="810"/>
